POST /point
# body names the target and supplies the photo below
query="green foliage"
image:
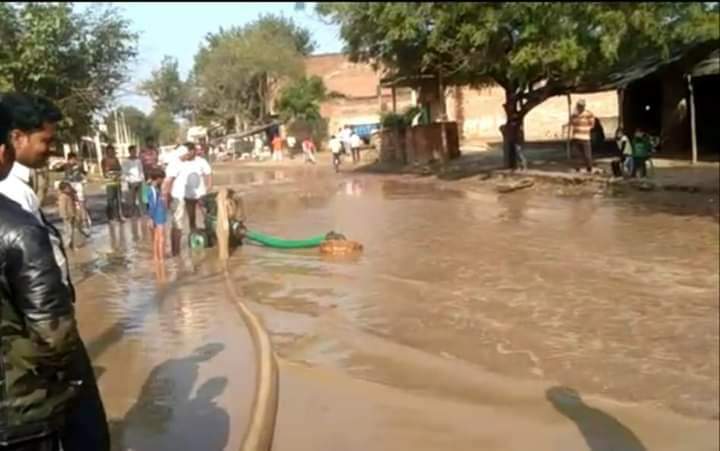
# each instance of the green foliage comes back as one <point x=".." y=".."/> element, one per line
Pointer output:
<point x="393" y="120"/>
<point x="138" y="123"/>
<point x="285" y="29"/>
<point x="533" y="50"/>
<point x="519" y="46"/>
<point x="166" y="88"/>
<point x="77" y="59"/>
<point x="301" y="99"/>
<point x="400" y="120"/>
<point x="410" y="113"/>
<point x="166" y="130"/>
<point x="316" y="129"/>
<point x="237" y="70"/>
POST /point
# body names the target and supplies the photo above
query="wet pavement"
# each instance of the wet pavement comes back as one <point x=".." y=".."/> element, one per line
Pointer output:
<point x="174" y="362"/>
<point x="472" y="321"/>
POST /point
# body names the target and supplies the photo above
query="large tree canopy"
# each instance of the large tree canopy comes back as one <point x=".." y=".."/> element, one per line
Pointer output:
<point x="237" y="70"/>
<point x="77" y="59"/>
<point x="532" y="50"/>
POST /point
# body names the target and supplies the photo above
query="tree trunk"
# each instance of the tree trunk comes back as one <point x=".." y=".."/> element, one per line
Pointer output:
<point x="237" y="124"/>
<point x="511" y="131"/>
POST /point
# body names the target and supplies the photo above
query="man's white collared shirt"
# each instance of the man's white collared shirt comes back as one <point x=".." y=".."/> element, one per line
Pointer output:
<point x="16" y="187"/>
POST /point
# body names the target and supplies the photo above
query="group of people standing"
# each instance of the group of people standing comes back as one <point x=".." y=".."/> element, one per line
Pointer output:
<point x="278" y="146"/>
<point x="135" y="172"/>
<point x="634" y="152"/>
<point x="160" y="190"/>
<point x="347" y="142"/>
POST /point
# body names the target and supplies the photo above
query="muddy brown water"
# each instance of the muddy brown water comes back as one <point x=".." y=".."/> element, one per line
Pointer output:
<point x="587" y="323"/>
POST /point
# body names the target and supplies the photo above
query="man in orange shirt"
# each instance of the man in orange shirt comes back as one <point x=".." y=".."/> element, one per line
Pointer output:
<point x="277" y="143"/>
<point x="581" y="124"/>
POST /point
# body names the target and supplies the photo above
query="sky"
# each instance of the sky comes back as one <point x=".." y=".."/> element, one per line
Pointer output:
<point x="178" y="29"/>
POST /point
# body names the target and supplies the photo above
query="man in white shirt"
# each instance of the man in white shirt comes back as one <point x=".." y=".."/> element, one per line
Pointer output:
<point x="355" y="143"/>
<point x="345" y="138"/>
<point x="33" y="123"/>
<point x="17" y="188"/>
<point x="291" y="142"/>
<point x="188" y="180"/>
<point x="336" y="147"/>
<point x="133" y="175"/>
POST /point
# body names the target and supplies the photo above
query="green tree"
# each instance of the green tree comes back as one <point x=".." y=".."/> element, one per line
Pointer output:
<point x="138" y="123"/>
<point x="77" y="59"/>
<point x="301" y="99"/>
<point x="166" y="87"/>
<point x="164" y="126"/>
<point x="532" y="50"/>
<point x="237" y="70"/>
<point x="298" y="105"/>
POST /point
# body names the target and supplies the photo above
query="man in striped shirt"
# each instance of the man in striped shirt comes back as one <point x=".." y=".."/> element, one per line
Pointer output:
<point x="581" y="124"/>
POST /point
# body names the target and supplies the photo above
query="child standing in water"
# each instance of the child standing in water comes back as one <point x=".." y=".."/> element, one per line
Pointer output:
<point x="157" y="210"/>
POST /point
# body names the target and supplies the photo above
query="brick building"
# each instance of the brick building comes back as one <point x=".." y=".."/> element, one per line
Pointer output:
<point x="358" y="99"/>
<point x="355" y="97"/>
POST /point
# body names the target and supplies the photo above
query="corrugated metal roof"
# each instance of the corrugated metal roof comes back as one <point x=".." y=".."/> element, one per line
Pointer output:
<point x="253" y="131"/>
<point x="650" y="65"/>
<point x="708" y="66"/>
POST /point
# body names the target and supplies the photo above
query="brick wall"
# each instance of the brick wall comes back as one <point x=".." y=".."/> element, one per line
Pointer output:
<point x="480" y="111"/>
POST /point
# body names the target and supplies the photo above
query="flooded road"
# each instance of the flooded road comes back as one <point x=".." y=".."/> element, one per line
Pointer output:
<point x="174" y="362"/>
<point x="466" y="302"/>
<point x="471" y="321"/>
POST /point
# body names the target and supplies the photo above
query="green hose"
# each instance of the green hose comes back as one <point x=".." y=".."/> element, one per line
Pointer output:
<point x="279" y="243"/>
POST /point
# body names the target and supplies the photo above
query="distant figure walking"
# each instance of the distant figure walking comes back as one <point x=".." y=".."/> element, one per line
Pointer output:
<point x="355" y="143"/>
<point x="309" y="150"/>
<point x="277" y="151"/>
<point x="336" y="147"/>
<point x="345" y="136"/>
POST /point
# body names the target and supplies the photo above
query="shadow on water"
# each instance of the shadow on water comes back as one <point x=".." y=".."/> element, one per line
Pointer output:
<point x="601" y="431"/>
<point x="167" y="417"/>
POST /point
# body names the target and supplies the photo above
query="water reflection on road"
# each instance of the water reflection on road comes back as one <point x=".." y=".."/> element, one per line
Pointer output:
<point x="174" y="361"/>
<point x="459" y="287"/>
<point x="585" y="291"/>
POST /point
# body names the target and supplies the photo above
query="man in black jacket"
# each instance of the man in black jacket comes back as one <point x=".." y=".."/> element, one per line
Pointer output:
<point x="49" y="394"/>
